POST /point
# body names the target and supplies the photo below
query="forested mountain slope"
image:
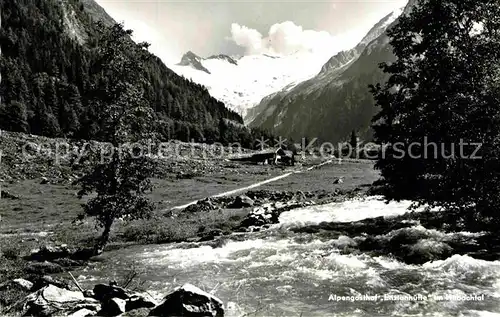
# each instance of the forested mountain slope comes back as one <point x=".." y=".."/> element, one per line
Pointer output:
<point x="47" y="67"/>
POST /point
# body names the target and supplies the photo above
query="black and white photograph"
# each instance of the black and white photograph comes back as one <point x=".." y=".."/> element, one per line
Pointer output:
<point x="250" y="158"/>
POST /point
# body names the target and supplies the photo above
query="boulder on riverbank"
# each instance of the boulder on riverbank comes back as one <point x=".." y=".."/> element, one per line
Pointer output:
<point x="40" y="281"/>
<point x="18" y="284"/>
<point x="189" y="301"/>
<point x="242" y="202"/>
<point x="106" y="300"/>
<point x="103" y="292"/>
<point x="11" y="291"/>
<point x="113" y="307"/>
<point x="43" y="268"/>
<point x="140" y="301"/>
<point x="61" y="253"/>
<point x="205" y="205"/>
<point x="54" y="301"/>
<point x="261" y="198"/>
<point x="50" y="253"/>
<point x="269" y="213"/>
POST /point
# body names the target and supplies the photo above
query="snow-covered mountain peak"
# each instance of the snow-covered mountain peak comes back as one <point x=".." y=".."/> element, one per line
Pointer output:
<point x="409" y="7"/>
<point x="379" y="28"/>
<point x="224" y="57"/>
<point x="190" y="59"/>
<point x="241" y="83"/>
<point x="345" y="57"/>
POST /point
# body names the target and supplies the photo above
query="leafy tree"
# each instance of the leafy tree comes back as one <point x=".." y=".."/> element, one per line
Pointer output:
<point x="122" y="178"/>
<point x="444" y="91"/>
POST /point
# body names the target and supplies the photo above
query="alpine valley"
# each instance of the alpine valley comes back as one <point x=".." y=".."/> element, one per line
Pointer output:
<point x="241" y="82"/>
<point x="301" y="95"/>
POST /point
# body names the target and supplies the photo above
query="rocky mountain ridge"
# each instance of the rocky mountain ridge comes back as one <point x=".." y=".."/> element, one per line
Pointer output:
<point x="337" y="100"/>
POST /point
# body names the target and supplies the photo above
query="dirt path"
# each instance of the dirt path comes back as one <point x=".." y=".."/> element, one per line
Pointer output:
<point x="259" y="184"/>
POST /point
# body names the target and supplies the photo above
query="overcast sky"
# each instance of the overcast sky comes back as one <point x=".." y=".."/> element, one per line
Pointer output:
<point x="247" y="27"/>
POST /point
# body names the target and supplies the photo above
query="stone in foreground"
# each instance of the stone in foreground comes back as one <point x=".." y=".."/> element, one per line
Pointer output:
<point x="103" y="292"/>
<point x="189" y="301"/>
<point x="113" y="307"/>
<point x="83" y="313"/>
<point x="138" y="301"/>
<point x="54" y="301"/>
<point x="17" y="284"/>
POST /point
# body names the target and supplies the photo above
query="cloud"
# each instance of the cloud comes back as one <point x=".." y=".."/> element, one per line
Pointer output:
<point x="248" y="38"/>
<point x="286" y="38"/>
<point x="283" y="38"/>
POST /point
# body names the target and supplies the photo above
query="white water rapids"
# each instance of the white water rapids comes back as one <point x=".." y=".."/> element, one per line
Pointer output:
<point x="280" y="273"/>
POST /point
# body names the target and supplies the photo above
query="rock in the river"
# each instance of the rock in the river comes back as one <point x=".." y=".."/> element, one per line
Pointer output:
<point x="269" y="213"/>
<point x="427" y="251"/>
<point x="44" y="181"/>
<point x="189" y="301"/>
<point x="233" y="309"/>
<point x="242" y="202"/>
<point x="411" y="245"/>
<point x="52" y="300"/>
<point x="266" y="214"/>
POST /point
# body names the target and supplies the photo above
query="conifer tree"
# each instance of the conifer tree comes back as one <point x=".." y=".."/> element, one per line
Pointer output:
<point x="354" y="144"/>
<point x="14" y="117"/>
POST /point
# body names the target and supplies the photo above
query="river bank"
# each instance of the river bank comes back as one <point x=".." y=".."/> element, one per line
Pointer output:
<point x="348" y="247"/>
<point x="294" y="267"/>
<point x="39" y="203"/>
<point x="317" y="231"/>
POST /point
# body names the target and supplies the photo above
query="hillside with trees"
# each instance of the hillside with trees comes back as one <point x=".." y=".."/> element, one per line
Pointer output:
<point x="51" y="75"/>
